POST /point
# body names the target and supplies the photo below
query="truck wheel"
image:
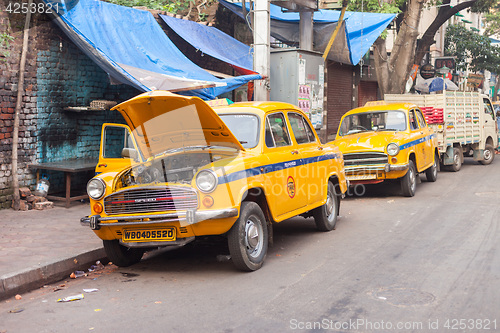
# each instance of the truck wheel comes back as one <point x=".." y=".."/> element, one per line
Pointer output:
<point x="409" y="181"/>
<point x="325" y="216"/>
<point x="248" y="238"/>
<point x="120" y="255"/>
<point x="431" y="173"/>
<point x="457" y="160"/>
<point x="489" y="155"/>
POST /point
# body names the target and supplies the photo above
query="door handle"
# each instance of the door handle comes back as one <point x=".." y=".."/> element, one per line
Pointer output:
<point x="102" y="165"/>
<point x="295" y="152"/>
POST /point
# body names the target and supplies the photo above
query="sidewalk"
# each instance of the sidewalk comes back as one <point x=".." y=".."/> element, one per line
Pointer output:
<point x="39" y="247"/>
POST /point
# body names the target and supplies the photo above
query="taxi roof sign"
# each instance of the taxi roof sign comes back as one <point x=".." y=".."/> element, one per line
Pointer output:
<point x="375" y="103"/>
<point x="220" y="102"/>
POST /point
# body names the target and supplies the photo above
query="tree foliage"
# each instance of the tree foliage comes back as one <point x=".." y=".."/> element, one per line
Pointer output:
<point x="172" y="6"/>
<point x="492" y="20"/>
<point x="472" y="50"/>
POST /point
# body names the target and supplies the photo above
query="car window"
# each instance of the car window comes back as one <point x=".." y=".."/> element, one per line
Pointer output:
<point x="116" y="139"/>
<point x="276" y="131"/>
<point x="413" y="120"/>
<point x="390" y="120"/>
<point x="301" y="129"/>
<point x="421" y="119"/>
<point x="488" y="109"/>
<point x="245" y="128"/>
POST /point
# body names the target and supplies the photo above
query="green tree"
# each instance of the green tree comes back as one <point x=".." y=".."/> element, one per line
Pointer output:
<point x="173" y="6"/>
<point x="392" y="70"/>
<point x="472" y="51"/>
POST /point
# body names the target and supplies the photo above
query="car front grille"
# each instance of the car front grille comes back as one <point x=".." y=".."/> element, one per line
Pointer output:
<point x="355" y="159"/>
<point x="151" y="199"/>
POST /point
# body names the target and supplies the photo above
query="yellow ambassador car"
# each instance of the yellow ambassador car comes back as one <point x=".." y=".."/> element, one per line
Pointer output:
<point x="181" y="170"/>
<point x="387" y="141"/>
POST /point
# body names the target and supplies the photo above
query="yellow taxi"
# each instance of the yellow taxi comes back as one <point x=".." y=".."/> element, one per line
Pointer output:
<point x="181" y="169"/>
<point x="387" y="141"/>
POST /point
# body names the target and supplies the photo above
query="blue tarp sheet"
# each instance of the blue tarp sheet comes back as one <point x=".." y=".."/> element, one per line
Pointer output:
<point x="355" y="38"/>
<point x="214" y="42"/>
<point x="132" y="48"/>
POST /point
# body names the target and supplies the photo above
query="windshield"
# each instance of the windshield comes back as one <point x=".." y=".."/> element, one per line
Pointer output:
<point x="245" y="128"/>
<point x="390" y="120"/>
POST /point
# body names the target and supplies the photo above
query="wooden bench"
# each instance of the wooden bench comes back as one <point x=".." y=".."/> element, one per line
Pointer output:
<point x="69" y="167"/>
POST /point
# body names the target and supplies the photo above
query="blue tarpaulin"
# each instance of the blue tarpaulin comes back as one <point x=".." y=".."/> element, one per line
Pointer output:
<point x="356" y="36"/>
<point x="132" y="48"/>
<point x="214" y="42"/>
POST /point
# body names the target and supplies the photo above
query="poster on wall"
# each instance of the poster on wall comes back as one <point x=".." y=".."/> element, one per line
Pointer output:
<point x="305" y="98"/>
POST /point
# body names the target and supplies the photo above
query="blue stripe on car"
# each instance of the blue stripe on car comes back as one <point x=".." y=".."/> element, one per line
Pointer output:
<point x="274" y="167"/>
<point x="416" y="142"/>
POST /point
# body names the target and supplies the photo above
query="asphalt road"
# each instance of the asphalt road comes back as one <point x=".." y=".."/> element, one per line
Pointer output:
<point x="425" y="264"/>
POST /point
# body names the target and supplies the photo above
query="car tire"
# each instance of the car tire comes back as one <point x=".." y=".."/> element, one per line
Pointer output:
<point x="489" y="155"/>
<point x="457" y="160"/>
<point x="248" y="238"/>
<point x="409" y="181"/>
<point x="120" y="255"/>
<point x="325" y="216"/>
<point x="432" y="172"/>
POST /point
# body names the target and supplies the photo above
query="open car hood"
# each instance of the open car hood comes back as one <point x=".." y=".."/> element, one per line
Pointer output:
<point x="162" y="121"/>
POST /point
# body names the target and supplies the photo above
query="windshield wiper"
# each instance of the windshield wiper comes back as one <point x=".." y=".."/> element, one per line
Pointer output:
<point x="176" y="150"/>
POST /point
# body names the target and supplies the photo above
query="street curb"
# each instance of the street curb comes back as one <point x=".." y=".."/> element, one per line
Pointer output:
<point x="37" y="277"/>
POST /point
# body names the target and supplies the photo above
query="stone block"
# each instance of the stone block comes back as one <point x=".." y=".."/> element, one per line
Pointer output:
<point x="44" y="205"/>
<point x="24" y="192"/>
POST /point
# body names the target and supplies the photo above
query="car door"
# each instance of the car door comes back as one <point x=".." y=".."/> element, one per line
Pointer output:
<point x="427" y="132"/>
<point x="417" y="139"/>
<point x="283" y="184"/>
<point x="490" y="126"/>
<point x="118" y="149"/>
<point x="310" y="150"/>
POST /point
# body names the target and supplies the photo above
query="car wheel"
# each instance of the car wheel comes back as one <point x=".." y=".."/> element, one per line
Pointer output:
<point x="489" y="155"/>
<point x="457" y="160"/>
<point x="409" y="181"/>
<point x="248" y="238"/>
<point x="432" y="172"/>
<point x="121" y="255"/>
<point x="325" y="216"/>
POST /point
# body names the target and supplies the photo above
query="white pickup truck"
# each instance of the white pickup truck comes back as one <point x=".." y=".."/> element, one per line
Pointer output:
<point x="464" y="123"/>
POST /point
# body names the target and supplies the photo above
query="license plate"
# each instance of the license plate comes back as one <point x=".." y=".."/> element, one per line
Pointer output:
<point x="361" y="177"/>
<point x="149" y="235"/>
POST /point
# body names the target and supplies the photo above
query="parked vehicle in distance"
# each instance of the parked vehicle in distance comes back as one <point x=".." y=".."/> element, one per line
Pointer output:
<point x="383" y="141"/>
<point x="464" y="123"/>
<point x="182" y="169"/>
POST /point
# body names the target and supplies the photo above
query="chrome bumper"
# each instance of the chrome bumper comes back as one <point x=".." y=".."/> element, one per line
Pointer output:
<point x="377" y="167"/>
<point x="190" y="217"/>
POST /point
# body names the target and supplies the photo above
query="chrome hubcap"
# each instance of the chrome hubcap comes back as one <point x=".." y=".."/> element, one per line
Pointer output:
<point x="253" y="237"/>
<point x="413" y="180"/>
<point x="487" y="154"/>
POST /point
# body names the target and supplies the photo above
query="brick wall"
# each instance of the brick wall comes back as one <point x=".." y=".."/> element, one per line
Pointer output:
<point x="58" y="75"/>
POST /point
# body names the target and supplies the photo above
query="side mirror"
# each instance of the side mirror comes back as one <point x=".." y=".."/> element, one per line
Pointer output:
<point x="130" y="153"/>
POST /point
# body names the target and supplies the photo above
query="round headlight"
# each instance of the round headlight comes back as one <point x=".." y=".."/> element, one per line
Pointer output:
<point x="392" y="149"/>
<point x="96" y="188"/>
<point x="206" y="181"/>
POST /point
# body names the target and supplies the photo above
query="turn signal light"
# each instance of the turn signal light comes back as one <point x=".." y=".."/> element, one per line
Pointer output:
<point x="97" y="208"/>
<point x="394" y="160"/>
<point x="208" y="201"/>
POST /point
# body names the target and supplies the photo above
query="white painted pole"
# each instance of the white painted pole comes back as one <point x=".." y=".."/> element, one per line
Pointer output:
<point x="262" y="55"/>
